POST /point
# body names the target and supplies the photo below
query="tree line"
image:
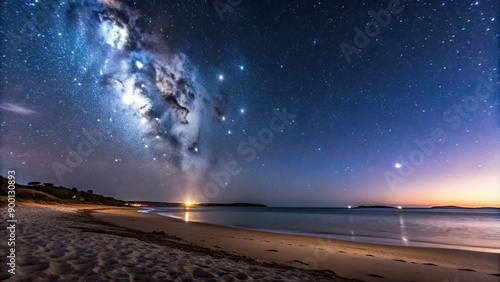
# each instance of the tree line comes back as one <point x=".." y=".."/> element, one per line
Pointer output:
<point x="64" y="193"/>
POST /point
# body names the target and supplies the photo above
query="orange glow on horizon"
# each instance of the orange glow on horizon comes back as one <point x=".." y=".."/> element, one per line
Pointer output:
<point x="467" y="191"/>
<point x="188" y="204"/>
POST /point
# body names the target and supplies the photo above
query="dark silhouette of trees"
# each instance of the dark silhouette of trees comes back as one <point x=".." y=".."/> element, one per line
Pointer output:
<point x="61" y="193"/>
<point x="74" y="193"/>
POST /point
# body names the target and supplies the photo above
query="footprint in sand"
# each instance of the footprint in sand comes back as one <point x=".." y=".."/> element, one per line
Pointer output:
<point x="298" y="261"/>
<point x="272" y="250"/>
<point x="375" y="276"/>
<point x="466" y="269"/>
<point x="400" y="260"/>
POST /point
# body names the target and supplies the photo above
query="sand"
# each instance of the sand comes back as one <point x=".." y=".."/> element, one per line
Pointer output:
<point x="59" y="243"/>
<point x="368" y="262"/>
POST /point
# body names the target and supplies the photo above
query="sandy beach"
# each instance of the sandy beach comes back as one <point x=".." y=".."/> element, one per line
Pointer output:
<point x="368" y="262"/>
<point x="62" y="243"/>
<point x="90" y="243"/>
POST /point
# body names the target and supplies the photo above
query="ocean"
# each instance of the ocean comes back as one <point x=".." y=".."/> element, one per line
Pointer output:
<point x="469" y="229"/>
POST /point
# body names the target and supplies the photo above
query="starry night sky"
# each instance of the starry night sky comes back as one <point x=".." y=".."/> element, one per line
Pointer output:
<point x="162" y="100"/>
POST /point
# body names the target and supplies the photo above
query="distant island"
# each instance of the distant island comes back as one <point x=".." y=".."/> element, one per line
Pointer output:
<point x="166" y="204"/>
<point x="232" y="205"/>
<point x="375" y="207"/>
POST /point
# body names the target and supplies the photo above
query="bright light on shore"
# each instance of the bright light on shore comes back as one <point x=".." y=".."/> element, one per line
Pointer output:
<point x="399" y="207"/>
<point x="188" y="204"/>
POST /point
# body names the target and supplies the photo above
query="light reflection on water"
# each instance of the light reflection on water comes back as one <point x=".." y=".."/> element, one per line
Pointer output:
<point x="403" y="229"/>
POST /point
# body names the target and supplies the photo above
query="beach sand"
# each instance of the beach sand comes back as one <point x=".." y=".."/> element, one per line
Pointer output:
<point x="368" y="262"/>
<point x="62" y="243"/>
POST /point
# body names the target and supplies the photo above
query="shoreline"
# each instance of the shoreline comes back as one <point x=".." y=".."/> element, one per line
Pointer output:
<point x="358" y="260"/>
<point x="62" y="242"/>
<point x="368" y="239"/>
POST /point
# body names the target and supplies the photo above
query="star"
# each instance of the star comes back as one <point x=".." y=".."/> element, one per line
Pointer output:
<point x="242" y="110"/>
<point x="397" y="165"/>
<point x="221" y="77"/>
<point x="242" y="67"/>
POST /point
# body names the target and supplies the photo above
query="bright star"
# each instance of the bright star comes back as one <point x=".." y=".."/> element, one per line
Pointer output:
<point x="242" y="111"/>
<point x="242" y="67"/>
<point x="139" y="64"/>
<point x="223" y="118"/>
<point x="221" y="77"/>
<point x="397" y="165"/>
<point x="229" y="132"/>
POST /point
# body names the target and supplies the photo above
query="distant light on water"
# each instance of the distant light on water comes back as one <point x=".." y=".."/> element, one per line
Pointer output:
<point x="348" y="207"/>
<point x="400" y="207"/>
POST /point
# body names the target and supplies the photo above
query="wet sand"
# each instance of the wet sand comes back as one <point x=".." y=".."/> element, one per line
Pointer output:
<point x="368" y="262"/>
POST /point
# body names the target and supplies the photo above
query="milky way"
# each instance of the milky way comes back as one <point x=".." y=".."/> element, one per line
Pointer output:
<point x="181" y="88"/>
<point x="148" y="79"/>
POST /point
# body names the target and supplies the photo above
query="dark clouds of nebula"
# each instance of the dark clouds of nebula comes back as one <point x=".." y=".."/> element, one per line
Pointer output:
<point x="154" y="83"/>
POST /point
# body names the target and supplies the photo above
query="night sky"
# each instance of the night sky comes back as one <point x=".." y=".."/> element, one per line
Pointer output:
<point x="301" y="103"/>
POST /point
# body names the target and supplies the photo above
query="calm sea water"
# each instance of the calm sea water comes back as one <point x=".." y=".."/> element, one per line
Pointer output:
<point x="475" y="229"/>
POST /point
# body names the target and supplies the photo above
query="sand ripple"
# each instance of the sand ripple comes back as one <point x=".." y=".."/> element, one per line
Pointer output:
<point x="50" y="249"/>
